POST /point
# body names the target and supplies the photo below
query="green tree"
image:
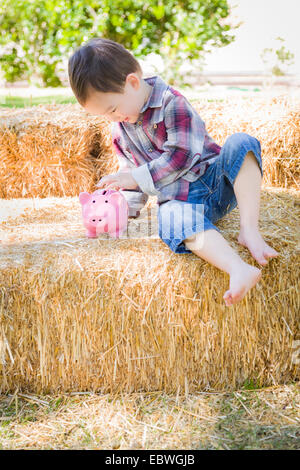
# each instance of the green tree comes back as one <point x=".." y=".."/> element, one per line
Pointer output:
<point x="38" y="35"/>
<point x="277" y="60"/>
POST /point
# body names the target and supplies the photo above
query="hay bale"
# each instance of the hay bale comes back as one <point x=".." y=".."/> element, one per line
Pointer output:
<point x="60" y="150"/>
<point x="130" y="315"/>
<point x="273" y="120"/>
<point x="52" y="150"/>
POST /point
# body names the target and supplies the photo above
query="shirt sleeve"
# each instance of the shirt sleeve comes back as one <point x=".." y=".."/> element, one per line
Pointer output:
<point x="136" y="199"/>
<point x="119" y="145"/>
<point x="185" y="132"/>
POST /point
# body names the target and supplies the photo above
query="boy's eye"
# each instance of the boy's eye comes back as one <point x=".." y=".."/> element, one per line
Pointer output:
<point x="114" y="110"/>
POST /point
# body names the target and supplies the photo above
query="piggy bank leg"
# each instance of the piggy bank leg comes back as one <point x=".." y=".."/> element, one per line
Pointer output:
<point x="114" y="234"/>
<point x="91" y="233"/>
<point x="117" y="234"/>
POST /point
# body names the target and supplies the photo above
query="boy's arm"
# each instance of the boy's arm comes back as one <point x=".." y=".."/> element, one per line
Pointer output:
<point x="185" y="131"/>
<point x="136" y="199"/>
<point x="124" y="162"/>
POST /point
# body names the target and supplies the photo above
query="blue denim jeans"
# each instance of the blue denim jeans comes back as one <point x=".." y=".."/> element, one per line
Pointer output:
<point x="210" y="197"/>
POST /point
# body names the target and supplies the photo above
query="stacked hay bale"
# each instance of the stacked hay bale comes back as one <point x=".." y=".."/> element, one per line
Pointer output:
<point x="273" y="120"/>
<point x="130" y="315"/>
<point x="60" y="150"/>
<point x="52" y="150"/>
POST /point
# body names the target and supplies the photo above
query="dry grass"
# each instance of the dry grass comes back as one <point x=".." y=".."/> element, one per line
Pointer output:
<point x="244" y="419"/>
<point x="130" y="315"/>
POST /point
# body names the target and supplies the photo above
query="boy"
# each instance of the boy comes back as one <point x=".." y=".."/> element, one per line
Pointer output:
<point x="164" y="150"/>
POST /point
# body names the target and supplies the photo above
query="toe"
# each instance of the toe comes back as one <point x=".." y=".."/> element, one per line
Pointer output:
<point x="236" y="298"/>
<point x="270" y="254"/>
<point x="227" y="297"/>
<point x="262" y="259"/>
<point x="233" y="297"/>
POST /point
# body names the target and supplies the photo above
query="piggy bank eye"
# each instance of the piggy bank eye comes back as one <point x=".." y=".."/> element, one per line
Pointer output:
<point x="106" y="201"/>
<point x="94" y="201"/>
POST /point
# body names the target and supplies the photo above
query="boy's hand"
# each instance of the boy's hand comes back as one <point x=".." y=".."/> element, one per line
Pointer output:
<point x="122" y="179"/>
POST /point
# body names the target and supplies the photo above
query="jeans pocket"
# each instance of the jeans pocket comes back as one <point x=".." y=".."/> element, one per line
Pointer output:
<point x="212" y="176"/>
<point x="198" y="191"/>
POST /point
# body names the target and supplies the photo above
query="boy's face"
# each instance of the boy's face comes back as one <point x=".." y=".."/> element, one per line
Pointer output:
<point x="120" y="106"/>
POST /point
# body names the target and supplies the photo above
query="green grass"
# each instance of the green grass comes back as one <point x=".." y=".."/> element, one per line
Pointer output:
<point x="251" y="384"/>
<point x="243" y="89"/>
<point x="239" y="432"/>
<point x="8" y="101"/>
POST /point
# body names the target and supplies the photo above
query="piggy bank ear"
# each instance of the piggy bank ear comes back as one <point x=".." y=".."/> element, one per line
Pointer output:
<point x="116" y="197"/>
<point x="84" y="198"/>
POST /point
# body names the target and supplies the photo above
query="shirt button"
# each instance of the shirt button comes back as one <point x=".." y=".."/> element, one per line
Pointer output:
<point x="150" y="150"/>
<point x="155" y="126"/>
<point x="139" y="123"/>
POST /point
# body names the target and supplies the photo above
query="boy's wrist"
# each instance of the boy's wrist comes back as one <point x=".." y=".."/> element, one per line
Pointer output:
<point x="143" y="178"/>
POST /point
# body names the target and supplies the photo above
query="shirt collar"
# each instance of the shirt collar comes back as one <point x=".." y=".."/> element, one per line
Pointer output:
<point x="156" y="96"/>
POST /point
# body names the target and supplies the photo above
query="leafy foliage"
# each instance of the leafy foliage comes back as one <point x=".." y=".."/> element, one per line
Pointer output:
<point x="39" y="35"/>
<point x="277" y="61"/>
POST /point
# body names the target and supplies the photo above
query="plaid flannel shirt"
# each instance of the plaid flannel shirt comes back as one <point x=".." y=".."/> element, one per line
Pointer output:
<point x="166" y="148"/>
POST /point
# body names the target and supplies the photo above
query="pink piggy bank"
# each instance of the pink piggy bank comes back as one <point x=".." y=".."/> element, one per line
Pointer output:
<point x="104" y="211"/>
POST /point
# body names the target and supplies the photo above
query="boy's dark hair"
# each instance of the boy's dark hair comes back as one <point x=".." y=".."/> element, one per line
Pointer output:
<point x="102" y="65"/>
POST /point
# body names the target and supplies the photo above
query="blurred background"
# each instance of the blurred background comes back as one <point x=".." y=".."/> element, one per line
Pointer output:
<point x="204" y="46"/>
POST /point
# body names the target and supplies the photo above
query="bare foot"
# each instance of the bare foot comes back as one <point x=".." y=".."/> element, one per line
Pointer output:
<point x="259" y="249"/>
<point x="242" y="279"/>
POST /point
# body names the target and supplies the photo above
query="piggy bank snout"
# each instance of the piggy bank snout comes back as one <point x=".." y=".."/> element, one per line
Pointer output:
<point x="96" y="220"/>
<point x="97" y="216"/>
